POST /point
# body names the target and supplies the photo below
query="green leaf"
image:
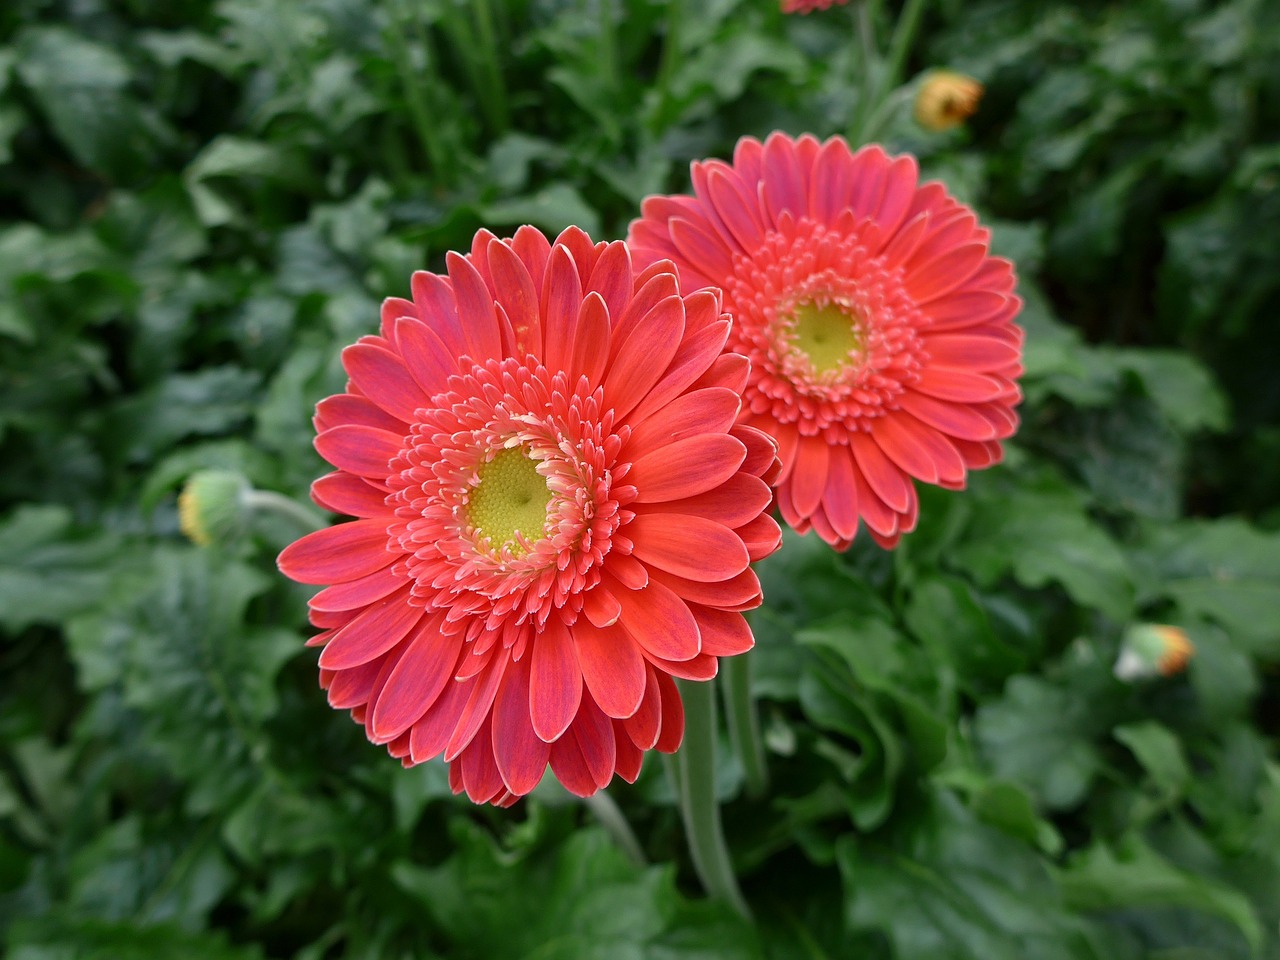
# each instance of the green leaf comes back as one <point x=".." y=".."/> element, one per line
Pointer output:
<point x="552" y="208"/>
<point x="1041" y="736"/>
<point x="1160" y="753"/>
<point x="1135" y="876"/>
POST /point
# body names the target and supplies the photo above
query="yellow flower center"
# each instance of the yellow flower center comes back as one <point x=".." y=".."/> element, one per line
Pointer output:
<point x="511" y="498"/>
<point x="825" y="334"/>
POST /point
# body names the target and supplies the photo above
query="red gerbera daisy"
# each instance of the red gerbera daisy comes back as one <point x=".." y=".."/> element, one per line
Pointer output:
<point x="879" y="328"/>
<point x="556" y="515"/>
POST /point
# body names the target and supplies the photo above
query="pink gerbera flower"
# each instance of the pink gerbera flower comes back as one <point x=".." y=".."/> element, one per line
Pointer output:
<point x="556" y="512"/>
<point x="879" y="327"/>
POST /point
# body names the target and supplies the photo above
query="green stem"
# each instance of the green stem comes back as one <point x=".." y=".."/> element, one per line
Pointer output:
<point x="696" y="760"/>
<point x="744" y="723"/>
<point x="878" y="95"/>
<point x="900" y="45"/>
<point x="278" y="503"/>
<point x="424" y="125"/>
<point x="615" y="824"/>
<point x="670" y="53"/>
<point x="607" y="47"/>
<point x="493" y="93"/>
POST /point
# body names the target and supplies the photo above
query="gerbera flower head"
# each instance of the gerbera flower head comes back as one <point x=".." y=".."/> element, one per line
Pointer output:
<point x="555" y="515"/>
<point x="946" y="99"/>
<point x="879" y="327"/>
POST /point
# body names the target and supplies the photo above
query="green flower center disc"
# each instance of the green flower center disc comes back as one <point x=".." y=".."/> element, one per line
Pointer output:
<point x="512" y="497"/>
<point x="825" y="335"/>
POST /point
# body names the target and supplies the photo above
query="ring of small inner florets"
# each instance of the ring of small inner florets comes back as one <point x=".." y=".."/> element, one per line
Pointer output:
<point x="499" y="407"/>
<point x="812" y="266"/>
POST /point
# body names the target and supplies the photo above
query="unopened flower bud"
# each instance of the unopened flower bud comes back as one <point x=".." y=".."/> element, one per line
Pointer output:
<point x="946" y="99"/>
<point x="1151" y="650"/>
<point x="213" y="506"/>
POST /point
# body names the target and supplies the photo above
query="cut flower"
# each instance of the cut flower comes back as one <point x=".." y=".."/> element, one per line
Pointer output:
<point x="879" y="327"/>
<point x="555" y="515"/>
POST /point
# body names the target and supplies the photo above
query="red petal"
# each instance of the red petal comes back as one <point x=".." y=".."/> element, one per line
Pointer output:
<point x="570" y="767"/>
<point x="480" y="776"/>
<point x="919" y="450"/>
<point x="840" y="499"/>
<point x="672" y="715"/>
<point x="611" y="278"/>
<point x="475" y="308"/>
<point x="428" y="359"/>
<point x="521" y="755"/>
<point x="357" y="593"/>
<point x="375" y="631"/>
<point x="762" y="536"/>
<point x="724" y="634"/>
<point x="561" y="300"/>
<point x="883" y="476"/>
<point x="601" y="606"/>
<point x="644" y="355"/>
<point x="643" y="725"/>
<point x="688" y="546"/>
<point x="955" y="419"/>
<point x="592" y="339"/>
<point x="687" y="467"/>
<point x="427" y="737"/>
<point x="555" y="687"/>
<point x="737" y="593"/>
<point x="363" y="451"/>
<point x="343" y="493"/>
<point x="660" y="622"/>
<point x="961" y="386"/>
<point x="808" y="478"/>
<point x="513" y="289"/>
<point x="612" y="667"/>
<point x="738" y="500"/>
<point x="423" y="672"/>
<point x="349" y="408"/>
<point x="477" y="706"/>
<point x="593" y="732"/>
<point x="350" y="688"/>
<point x="702" y="411"/>
<point x="701" y="667"/>
<point x="337" y="554"/>
<point x="383" y="378"/>
<point x="704" y="250"/>
<point x="628" y="758"/>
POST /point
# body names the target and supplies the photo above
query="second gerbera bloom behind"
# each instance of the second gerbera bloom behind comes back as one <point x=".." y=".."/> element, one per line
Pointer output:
<point x="879" y="327"/>
<point x="556" y="513"/>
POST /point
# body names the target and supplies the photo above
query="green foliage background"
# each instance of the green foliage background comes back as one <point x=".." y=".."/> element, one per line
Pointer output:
<point x="201" y="202"/>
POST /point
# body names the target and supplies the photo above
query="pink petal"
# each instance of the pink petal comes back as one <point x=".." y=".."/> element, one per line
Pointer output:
<point x="438" y="309"/>
<point x="477" y="707"/>
<point x="337" y="554"/>
<point x="962" y="386"/>
<point x="475" y="308"/>
<point x="342" y="493"/>
<point x="737" y="593"/>
<point x="643" y="725"/>
<point x="761" y="536"/>
<point x="643" y="357"/>
<point x="424" y="670"/>
<point x="840" y="499"/>
<point x="429" y="361"/>
<point x="737" y="209"/>
<point x="834" y="171"/>
<point x="730" y="370"/>
<point x="384" y="379"/>
<point x="955" y="419"/>
<point x="705" y="251"/>
<point x="480" y="776"/>
<point x="701" y="411"/>
<point x="913" y="447"/>
<point x="363" y="451"/>
<point x="660" y="622"/>
<point x="783" y="187"/>
<point x="580" y="247"/>
<point x="570" y="767"/>
<point x="591" y="341"/>
<point x="628" y="571"/>
<point x="656" y="289"/>
<point x="672" y="732"/>
<point x="555" y="686"/>
<point x="688" y="546"/>
<point x="429" y="735"/>
<point x="520" y="754"/>
<point x="561" y="300"/>
<point x="534" y="250"/>
<point x="885" y="478"/>
<point x="612" y="667"/>
<point x="702" y="667"/>
<point x="375" y="631"/>
<point x="808" y="477"/>
<point x="358" y="593"/>
<point x="687" y="467"/>
<point x="348" y="408"/>
<point x="738" y="500"/>
<point x="945" y="273"/>
<point x="694" y="359"/>
<point x="514" y="291"/>
<point x="724" y="634"/>
<point x="593" y="732"/>
<point x="350" y="688"/>
<point x="611" y="278"/>
<point x="601" y="606"/>
<point x="628" y="758"/>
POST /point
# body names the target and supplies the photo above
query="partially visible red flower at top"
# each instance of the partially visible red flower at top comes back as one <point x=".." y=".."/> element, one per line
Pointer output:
<point x="555" y="508"/>
<point x="808" y="6"/>
<point x="881" y="330"/>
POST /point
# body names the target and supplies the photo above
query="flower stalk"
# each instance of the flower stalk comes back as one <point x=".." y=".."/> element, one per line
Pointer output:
<point x="744" y="724"/>
<point x="695" y="764"/>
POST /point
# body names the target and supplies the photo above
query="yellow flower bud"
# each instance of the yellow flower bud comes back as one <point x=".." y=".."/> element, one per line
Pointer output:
<point x="946" y="99"/>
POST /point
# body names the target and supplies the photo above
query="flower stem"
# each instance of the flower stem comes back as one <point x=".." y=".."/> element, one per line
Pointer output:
<point x="744" y="723"/>
<point x="415" y="90"/>
<point x="493" y="91"/>
<point x="696" y="762"/>
<point x="879" y="93"/>
<point x="670" y="53"/>
<point x="278" y="503"/>
<point x="615" y="824"/>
